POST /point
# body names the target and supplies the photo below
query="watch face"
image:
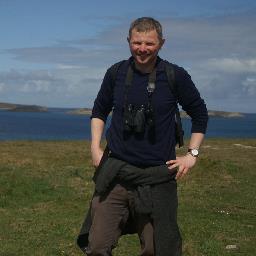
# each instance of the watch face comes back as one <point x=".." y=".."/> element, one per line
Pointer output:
<point x="194" y="152"/>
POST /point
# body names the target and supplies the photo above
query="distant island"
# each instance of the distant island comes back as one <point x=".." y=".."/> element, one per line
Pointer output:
<point x="213" y="113"/>
<point x="88" y="111"/>
<point x="22" y="108"/>
<point x="81" y="111"/>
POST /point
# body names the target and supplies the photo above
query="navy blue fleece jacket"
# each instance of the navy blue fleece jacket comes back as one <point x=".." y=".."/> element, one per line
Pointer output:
<point x="147" y="149"/>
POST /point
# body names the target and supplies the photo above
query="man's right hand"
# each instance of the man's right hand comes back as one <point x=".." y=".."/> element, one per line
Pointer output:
<point x="97" y="154"/>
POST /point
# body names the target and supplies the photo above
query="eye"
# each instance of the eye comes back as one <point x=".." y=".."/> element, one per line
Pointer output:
<point x="136" y="43"/>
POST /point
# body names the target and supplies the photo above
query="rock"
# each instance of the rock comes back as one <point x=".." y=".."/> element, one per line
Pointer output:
<point x="232" y="247"/>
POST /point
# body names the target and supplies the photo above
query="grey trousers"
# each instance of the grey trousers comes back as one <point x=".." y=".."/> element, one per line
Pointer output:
<point x="109" y="217"/>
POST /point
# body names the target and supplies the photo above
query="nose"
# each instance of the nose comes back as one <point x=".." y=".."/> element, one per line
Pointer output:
<point x="142" y="48"/>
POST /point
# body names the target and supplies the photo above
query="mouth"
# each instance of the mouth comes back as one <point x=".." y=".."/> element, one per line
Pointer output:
<point x="143" y="57"/>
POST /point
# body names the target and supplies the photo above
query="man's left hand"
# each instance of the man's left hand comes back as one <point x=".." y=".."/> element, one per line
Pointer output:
<point x="184" y="164"/>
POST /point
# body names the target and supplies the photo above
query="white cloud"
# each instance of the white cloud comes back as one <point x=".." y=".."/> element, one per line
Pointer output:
<point x="233" y="65"/>
<point x="36" y="86"/>
<point x="249" y="85"/>
<point x="2" y="87"/>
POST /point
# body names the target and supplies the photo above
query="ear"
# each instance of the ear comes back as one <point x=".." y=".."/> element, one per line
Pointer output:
<point x="128" y="39"/>
<point x="162" y="42"/>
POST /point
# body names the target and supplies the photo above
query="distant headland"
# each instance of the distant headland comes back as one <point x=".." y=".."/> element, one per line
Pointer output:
<point x="22" y="108"/>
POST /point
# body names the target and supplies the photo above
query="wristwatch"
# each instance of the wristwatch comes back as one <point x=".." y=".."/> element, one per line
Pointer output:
<point x="193" y="152"/>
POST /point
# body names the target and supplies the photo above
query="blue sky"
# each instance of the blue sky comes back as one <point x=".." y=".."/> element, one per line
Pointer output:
<point x="55" y="53"/>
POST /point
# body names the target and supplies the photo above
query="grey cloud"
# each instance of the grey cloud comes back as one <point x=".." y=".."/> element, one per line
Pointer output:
<point x="49" y="54"/>
<point x="61" y="87"/>
<point x="202" y="38"/>
<point x="30" y="82"/>
<point x="227" y="78"/>
<point x="69" y="55"/>
<point x="14" y="75"/>
<point x="222" y="91"/>
<point x="189" y="40"/>
<point x="220" y="55"/>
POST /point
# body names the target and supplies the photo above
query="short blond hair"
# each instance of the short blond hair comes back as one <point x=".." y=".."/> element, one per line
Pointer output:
<point x="145" y="24"/>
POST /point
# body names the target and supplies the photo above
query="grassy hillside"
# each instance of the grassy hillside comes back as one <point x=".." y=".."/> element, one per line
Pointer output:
<point x="45" y="188"/>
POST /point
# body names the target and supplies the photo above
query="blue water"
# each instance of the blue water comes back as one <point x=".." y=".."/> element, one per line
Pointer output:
<point x="57" y="125"/>
<point x="52" y="125"/>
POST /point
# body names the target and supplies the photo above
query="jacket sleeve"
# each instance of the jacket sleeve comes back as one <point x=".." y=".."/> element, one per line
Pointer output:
<point x="104" y="101"/>
<point x="191" y="101"/>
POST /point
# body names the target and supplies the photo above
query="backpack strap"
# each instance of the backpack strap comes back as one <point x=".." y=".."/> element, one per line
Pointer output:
<point x="113" y="71"/>
<point x="170" y="73"/>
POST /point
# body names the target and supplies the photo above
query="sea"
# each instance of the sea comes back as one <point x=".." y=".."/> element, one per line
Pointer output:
<point x="57" y="124"/>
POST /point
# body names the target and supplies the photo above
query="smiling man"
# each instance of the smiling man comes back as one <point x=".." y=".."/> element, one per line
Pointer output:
<point x="135" y="178"/>
<point x="144" y="47"/>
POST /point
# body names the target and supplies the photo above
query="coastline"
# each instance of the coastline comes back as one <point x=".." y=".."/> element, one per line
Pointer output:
<point x="87" y="111"/>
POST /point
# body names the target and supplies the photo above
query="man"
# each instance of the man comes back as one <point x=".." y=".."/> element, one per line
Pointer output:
<point x="136" y="178"/>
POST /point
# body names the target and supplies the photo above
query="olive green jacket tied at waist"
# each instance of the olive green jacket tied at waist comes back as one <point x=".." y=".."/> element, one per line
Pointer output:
<point x="155" y="193"/>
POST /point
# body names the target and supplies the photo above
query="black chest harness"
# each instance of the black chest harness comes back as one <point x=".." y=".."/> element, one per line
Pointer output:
<point x="170" y="73"/>
<point x="151" y="83"/>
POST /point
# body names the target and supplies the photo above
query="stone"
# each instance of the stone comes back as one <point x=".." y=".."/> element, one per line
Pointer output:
<point x="232" y="247"/>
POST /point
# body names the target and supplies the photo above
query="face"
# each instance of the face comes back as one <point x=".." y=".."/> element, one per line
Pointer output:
<point x="144" y="47"/>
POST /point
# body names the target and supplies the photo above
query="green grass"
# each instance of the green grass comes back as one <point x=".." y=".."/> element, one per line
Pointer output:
<point x="45" y="188"/>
